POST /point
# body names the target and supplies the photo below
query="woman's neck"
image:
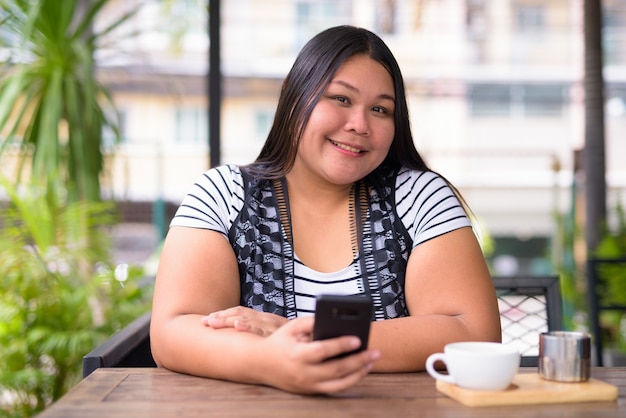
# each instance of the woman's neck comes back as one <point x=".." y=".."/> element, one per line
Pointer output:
<point x="308" y="190"/>
<point x="321" y="224"/>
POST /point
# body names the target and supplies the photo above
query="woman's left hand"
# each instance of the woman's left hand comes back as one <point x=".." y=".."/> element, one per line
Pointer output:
<point x="245" y="320"/>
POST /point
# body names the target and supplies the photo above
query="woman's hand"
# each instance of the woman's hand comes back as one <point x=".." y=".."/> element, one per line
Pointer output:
<point x="292" y="361"/>
<point x="246" y="320"/>
<point x="295" y="363"/>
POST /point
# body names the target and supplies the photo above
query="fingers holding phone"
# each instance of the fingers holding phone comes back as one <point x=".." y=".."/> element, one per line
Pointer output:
<point x="343" y="315"/>
<point x="335" y="361"/>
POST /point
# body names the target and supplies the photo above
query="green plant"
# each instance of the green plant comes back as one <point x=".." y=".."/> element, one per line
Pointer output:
<point x="572" y="276"/>
<point x="612" y="278"/>
<point x="51" y="103"/>
<point x="61" y="294"/>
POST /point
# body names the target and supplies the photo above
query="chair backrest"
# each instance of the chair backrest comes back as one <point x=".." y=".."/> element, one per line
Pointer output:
<point x="130" y="347"/>
<point x="529" y="305"/>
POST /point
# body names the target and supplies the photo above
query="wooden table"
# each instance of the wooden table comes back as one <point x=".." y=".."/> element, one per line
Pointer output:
<point x="152" y="392"/>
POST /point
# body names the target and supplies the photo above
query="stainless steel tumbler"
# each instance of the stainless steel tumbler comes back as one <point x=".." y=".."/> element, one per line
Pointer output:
<point x="564" y="356"/>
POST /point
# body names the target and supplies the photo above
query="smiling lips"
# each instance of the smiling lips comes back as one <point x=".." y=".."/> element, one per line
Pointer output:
<point x="346" y="147"/>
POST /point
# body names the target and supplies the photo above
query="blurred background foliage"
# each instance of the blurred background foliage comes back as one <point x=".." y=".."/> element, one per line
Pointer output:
<point x="49" y="94"/>
<point x="612" y="287"/>
<point x="62" y="295"/>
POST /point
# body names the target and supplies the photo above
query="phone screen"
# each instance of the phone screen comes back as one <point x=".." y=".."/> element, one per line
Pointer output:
<point x="338" y="315"/>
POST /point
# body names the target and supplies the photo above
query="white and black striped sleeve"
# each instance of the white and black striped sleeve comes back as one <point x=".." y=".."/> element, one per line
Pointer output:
<point x="427" y="205"/>
<point x="214" y="200"/>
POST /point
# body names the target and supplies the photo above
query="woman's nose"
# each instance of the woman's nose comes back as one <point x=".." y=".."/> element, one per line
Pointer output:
<point x="358" y="122"/>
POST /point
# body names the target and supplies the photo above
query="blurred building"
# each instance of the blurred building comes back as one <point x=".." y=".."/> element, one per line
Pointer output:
<point x="495" y="94"/>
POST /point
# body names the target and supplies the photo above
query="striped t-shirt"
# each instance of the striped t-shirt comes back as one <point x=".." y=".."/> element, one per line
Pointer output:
<point x="425" y="204"/>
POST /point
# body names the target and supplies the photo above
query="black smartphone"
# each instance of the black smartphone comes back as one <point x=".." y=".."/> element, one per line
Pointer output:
<point x="338" y="315"/>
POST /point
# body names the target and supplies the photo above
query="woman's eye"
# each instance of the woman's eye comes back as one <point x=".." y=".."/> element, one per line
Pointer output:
<point x="341" y="99"/>
<point x="379" y="109"/>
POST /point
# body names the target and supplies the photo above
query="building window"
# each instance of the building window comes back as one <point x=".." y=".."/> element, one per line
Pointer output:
<point x="477" y="30"/>
<point x="516" y="100"/>
<point x="386" y="17"/>
<point x="183" y="16"/>
<point x="191" y="125"/>
<point x="542" y="100"/>
<point x="529" y="18"/>
<point x="614" y="32"/>
<point x="489" y="100"/>
<point x="313" y="16"/>
<point x="476" y="19"/>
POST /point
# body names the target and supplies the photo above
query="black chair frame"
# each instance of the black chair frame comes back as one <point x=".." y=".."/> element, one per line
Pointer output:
<point x="534" y="286"/>
<point x="130" y="347"/>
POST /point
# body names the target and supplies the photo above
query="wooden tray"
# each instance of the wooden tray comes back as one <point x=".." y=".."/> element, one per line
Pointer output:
<point x="529" y="388"/>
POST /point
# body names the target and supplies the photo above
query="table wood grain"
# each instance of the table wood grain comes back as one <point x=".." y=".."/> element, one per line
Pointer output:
<point x="155" y="393"/>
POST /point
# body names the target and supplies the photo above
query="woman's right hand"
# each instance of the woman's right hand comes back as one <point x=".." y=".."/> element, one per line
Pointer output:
<point x="300" y="365"/>
<point x="245" y="320"/>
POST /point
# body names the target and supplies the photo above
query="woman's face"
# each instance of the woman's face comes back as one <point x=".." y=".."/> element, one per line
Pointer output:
<point x="352" y="126"/>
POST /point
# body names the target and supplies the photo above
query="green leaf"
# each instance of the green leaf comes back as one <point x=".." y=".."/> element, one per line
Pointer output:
<point x="64" y="114"/>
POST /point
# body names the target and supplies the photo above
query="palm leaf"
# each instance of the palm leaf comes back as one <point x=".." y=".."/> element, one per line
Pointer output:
<point x="66" y="108"/>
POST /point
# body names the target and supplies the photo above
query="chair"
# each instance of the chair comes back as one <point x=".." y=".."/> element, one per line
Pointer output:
<point x="529" y="305"/>
<point x="130" y="347"/>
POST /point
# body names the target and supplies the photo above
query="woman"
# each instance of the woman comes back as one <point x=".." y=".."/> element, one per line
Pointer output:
<point x="338" y="201"/>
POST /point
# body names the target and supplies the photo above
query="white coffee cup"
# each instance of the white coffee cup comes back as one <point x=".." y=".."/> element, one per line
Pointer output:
<point x="476" y="365"/>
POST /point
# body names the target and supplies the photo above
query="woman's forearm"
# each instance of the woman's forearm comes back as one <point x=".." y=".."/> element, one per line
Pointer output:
<point x="183" y="344"/>
<point x="406" y="342"/>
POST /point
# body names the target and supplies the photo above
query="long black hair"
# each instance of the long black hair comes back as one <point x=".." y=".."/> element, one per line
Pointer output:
<point x="312" y="71"/>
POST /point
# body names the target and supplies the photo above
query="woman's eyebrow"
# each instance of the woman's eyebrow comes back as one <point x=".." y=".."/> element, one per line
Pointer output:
<point x="356" y="90"/>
